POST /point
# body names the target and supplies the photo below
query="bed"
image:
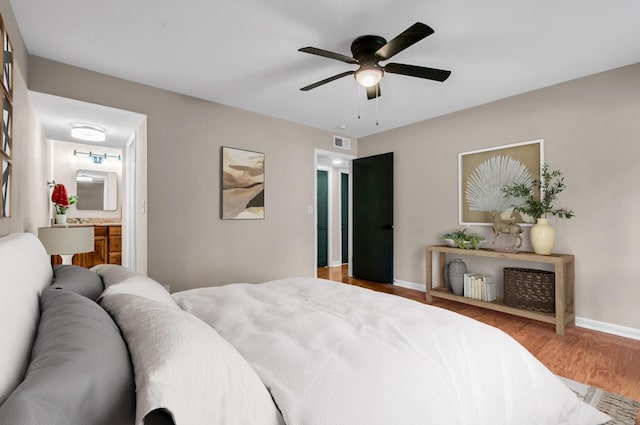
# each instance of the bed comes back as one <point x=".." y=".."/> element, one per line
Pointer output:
<point x="110" y="346"/>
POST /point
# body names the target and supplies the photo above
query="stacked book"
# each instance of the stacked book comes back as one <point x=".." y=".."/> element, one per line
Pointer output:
<point x="479" y="287"/>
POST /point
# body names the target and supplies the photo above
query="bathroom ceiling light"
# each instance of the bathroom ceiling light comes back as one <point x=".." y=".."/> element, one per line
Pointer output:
<point x="88" y="133"/>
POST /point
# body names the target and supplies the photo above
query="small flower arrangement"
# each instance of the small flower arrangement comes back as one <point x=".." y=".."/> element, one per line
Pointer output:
<point x="462" y="239"/>
<point x="61" y="200"/>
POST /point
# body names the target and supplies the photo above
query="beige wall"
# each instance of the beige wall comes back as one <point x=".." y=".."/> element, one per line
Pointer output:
<point x="31" y="152"/>
<point x="188" y="244"/>
<point x="591" y="132"/>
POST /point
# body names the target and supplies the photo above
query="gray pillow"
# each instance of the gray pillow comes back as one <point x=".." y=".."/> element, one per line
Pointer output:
<point x="77" y="279"/>
<point x="79" y="373"/>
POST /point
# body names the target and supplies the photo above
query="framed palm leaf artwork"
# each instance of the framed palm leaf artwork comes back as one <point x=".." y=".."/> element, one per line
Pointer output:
<point x="483" y="173"/>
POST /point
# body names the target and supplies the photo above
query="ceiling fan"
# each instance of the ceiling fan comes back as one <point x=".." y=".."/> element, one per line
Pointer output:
<point x="369" y="50"/>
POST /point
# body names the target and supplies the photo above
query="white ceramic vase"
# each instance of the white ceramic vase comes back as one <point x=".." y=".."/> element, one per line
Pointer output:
<point x="543" y="237"/>
<point x="61" y="219"/>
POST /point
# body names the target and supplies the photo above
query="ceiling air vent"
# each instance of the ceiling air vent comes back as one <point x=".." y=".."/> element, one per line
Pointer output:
<point x="341" y="142"/>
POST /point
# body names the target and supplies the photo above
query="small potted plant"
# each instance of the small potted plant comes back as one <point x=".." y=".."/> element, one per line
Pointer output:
<point x="61" y="202"/>
<point x="461" y="239"/>
<point x="538" y="197"/>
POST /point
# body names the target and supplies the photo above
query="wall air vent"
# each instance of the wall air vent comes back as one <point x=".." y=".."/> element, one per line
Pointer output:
<point x="341" y="142"/>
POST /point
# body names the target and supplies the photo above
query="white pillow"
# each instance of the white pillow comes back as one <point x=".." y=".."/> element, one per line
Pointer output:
<point x="120" y="280"/>
<point x="185" y="367"/>
<point x="26" y="270"/>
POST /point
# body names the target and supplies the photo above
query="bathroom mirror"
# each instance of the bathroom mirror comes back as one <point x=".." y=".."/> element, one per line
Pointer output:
<point x="97" y="190"/>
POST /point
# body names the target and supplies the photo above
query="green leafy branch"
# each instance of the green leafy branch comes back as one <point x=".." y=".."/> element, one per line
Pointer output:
<point x="539" y="195"/>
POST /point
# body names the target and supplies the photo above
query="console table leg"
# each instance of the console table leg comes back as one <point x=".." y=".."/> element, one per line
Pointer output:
<point x="561" y="301"/>
<point x="429" y="277"/>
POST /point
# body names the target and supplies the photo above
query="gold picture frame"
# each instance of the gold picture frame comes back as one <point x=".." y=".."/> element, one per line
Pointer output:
<point x="483" y="173"/>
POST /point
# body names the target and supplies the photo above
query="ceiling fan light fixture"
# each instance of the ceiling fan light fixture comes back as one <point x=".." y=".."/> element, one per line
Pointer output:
<point x="368" y="76"/>
<point x="88" y="133"/>
<point x="367" y="52"/>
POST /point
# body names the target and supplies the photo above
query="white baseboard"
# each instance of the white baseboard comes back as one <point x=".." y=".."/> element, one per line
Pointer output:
<point x="336" y="264"/>
<point x="581" y="322"/>
<point x="609" y="328"/>
<point x="409" y="285"/>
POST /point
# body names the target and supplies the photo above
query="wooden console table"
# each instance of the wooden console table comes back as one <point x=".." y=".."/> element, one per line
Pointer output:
<point x="564" y="268"/>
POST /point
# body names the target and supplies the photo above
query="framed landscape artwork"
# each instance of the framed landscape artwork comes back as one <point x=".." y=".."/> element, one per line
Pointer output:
<point x="483" y="173"/>
<point x="242" y="180"/>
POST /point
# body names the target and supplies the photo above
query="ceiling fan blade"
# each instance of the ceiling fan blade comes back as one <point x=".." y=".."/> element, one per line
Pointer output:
<point x="417" y="71"/>
<point x="374" y="91"/>
<point x="326" y="80"/>
<point x="328" y="54"/>
<point x="408" y="37"/>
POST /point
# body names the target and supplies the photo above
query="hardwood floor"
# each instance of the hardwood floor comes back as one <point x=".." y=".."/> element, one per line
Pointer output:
<point x="599" y="359"/>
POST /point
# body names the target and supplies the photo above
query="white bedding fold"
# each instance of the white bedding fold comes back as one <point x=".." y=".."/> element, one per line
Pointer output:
<point x="185" y="368"/>
<point x="335" y="354"/>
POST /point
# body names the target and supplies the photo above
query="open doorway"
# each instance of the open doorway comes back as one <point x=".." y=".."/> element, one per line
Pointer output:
<point x="332" y="209"/>
<point x="123" y="148"/>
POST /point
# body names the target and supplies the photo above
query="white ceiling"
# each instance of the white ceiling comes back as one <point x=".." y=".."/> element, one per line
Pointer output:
<point x="244" y="53"/>
<point x="58" y="115"/>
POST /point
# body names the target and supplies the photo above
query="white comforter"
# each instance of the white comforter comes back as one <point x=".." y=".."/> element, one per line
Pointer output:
<point x="334" y="354"/>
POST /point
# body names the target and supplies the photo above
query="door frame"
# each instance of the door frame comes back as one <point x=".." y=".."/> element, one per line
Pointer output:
<point x="337" y="155"/>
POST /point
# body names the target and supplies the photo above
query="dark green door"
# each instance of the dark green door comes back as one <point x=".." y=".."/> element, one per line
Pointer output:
<point x="344" y="216"/>
<point x="323" y="217"/>
<point x="373" y="218"/>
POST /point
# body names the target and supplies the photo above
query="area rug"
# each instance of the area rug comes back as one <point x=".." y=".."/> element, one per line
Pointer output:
<point x="622" y="410"/>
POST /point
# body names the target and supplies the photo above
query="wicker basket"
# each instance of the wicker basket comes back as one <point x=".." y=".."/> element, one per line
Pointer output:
<point x="530" y="289"/>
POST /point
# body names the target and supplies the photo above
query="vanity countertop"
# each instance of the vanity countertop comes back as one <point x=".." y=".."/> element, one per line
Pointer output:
<point x="87" y="225"/>
<point x="75" y="222"/>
